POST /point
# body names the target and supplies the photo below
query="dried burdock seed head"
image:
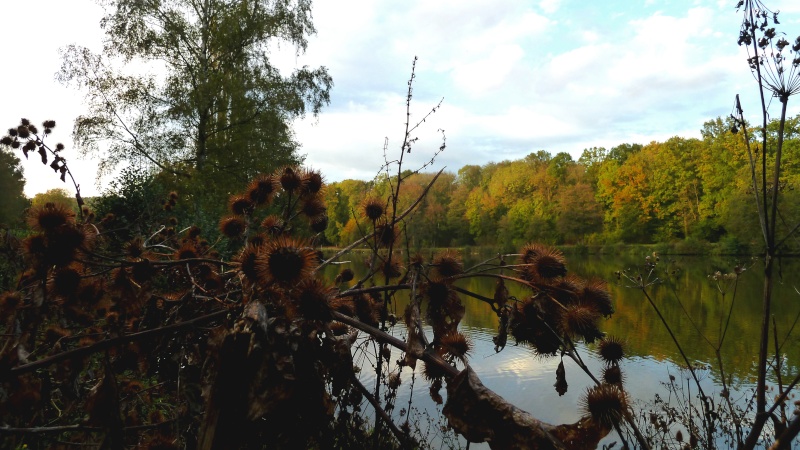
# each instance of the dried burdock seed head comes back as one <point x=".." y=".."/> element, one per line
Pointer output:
<point x="344" y="305"/>
<point x="59" y="147"/>
<point x="49" y="124"/>
<point x="285" y="261"/>
<point x="392" y="268"/>
<point x="22" y="132"/>
<point x="63" y="241"/>
<point x="186" y="251"/>
<point x="386" y="234"/>
<point x="596" y="293"/>
<point x="135" y="248"/>
<point x="6" y="140"/>
<point x="193" y="232"/>
<point x="529" y="252"/>
<point x="50" y="216"/>
<point x="240" y="204"/>
<point x="9" y="301"/>
<point x="272" y="225"/>
<point x="66" y="281"/>
<point x="548" y="264"/>
<point x="24" y="122"/>
<point x="344" y="276"/>
<point x="142" y="271"/>
<point x="313" y="207"/>
<point x="394" y="380"/>
<point x="313" y="299"/>
<point x="312" y="181"/>
<point x="261" y="190"/>
<point x="580" y="320"/>
<point x="247" y="262"/>
<point x="289" y="179"/>
<point x="167" y="207"/>
<point x="173" y="196"/>
<point x="32" y="129"/>
<point x="456" y="344"/>
<point x="53" y="333"/>
<point x="611" y="349"/>
<point x="257" y="240"/>
<point x="448" y="264"/>
<point x="436" y="291"/>
<point x="232" y="226"/>
<point x="433" y="372"/>
<point x="366" y="309"/>
<point x="35" y="246"/>
<point x="12" y="132"/>
<point x="173" y="221"/>
<point x="319" y="224"/>
<point x="606" y="404"/>
<point x="373" y="208"/>
<point x="613" y="375"/>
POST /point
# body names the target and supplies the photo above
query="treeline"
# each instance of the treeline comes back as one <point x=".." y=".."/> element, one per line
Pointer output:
<point x="687" y="190"/>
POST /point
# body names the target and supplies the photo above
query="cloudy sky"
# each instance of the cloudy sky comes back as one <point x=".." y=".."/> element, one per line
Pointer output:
<point x="516" y="76"/>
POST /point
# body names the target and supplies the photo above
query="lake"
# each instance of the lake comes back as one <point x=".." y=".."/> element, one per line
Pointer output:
<point x="693" y="302"/>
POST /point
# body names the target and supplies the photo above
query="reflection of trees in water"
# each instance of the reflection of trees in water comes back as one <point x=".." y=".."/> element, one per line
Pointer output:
<point x="688" y="281"/>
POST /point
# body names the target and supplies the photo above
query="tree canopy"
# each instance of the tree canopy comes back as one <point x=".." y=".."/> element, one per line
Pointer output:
<point x="211" y="104"/>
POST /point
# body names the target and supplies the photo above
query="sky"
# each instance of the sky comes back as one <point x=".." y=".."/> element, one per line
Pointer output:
<point x="514" y="77"/>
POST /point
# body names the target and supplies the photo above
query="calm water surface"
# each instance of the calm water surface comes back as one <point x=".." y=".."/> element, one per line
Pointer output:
<point x="695" y="306"/>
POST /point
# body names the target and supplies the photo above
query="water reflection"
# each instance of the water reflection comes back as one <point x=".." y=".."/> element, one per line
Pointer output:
<point x="695" y="307"/>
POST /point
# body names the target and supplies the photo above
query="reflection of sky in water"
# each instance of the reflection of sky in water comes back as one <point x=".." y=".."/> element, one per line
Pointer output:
<point x="526" y="380"/>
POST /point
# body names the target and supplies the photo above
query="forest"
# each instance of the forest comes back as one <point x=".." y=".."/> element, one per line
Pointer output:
<point x="694" y="190"/>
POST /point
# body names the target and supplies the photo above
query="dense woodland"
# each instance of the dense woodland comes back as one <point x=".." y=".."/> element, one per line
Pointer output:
<point x="677" y="190"/>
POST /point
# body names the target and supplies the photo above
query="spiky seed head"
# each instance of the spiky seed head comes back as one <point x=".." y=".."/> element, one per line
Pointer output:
<point x="319" y="224"/>
<point x="66" y="281"/>
<point x="257" y="239"/>
<point x="432" y="372"/>
<point x="247" y="262"/>
<point x="142" y="271"/>
<point x="606" y="404"/>
<point x="262" y="189"/>
<point x="173" y="195"/>
<point x="580" y="320"/>
<point x="6" y="140"/>
<point x="232" y="226"/>
<point x="344" y="276"/>
<point x="9" y="301"/>
<point x="313" y="207"/>
<point x="448" y="264"/>
<point x="392" y="268"/>
<point x="289" y="179"/>
<point x="394" y="380"/>
<point x="193" y="232"/>
<point x="611" y="349"/>
<point x="22" y="132"/>
<point x="529" y="252"/>
<point x="456" y="344"/>
<point x="366" y="309"/>
<point x="186" y="251"/>
<point x="272" y="225"/>
<point x="386" y="234"/>
<point x="596" y="293"/>
<point x="240" y="204"/>
<point x="49" y="124"/>
<point x="313" y="300"/>
<point x="50" y="216"/>
<point x="613" y="375"/>
<point x="373" y="208"/>
<point x="286" y="261"/>
<point x="312" y="181"/>
<point x="134" y="248"/>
